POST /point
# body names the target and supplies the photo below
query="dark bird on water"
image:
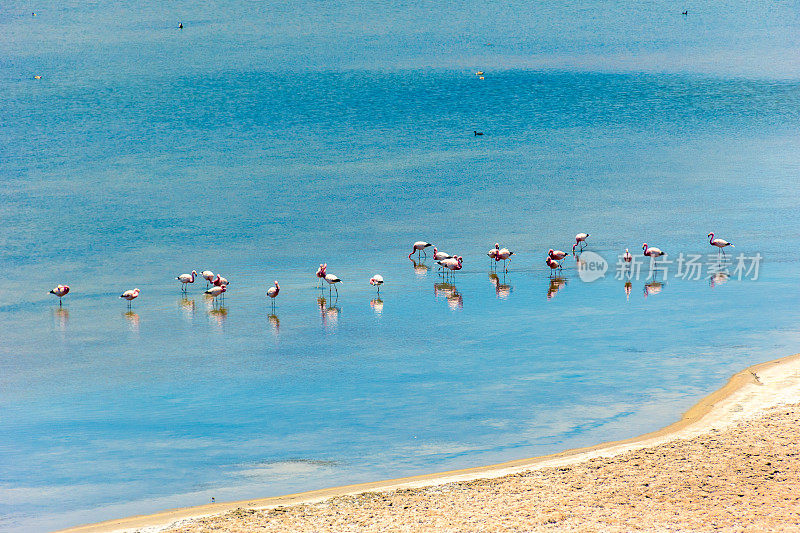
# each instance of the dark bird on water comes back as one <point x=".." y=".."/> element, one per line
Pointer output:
<point x="477" y="132"/>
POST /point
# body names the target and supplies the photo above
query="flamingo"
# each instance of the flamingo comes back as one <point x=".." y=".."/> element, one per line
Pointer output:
<point x="272" y="292"/>
<point x="332" y="280"/>
<point x="377" y="281"/>
<point x="580" y="238"/>
<point x="130" y="295"/>
<point x="208" y="275"/>
<point x="493" y="252"/>
<point x="552" y="263"/>
<point x="419" y="246"/>
<point x="453" y="264"/>
<point x="321" y="272"/>
<point x="719" y="243"/>
<point x="60" y="291"/>
<point x="558" y="255"/>
<point x="219" y="281"/>
<point x="186" y="278"/>
<point x="440" y="256"/>
<point x="627" y="257"/>
<point x="503" y="254"/>
<point x="216" y="290"/>
<point x="651" y="251"/>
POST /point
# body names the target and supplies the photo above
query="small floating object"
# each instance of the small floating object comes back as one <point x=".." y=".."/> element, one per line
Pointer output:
<point x="479" y="73"/>
<point x="33" y="14"/>
<point x="477" y="132"/>
<point x="481" y="78"/>
<point x="180" y="25"/>
<point x="37" y="77"/>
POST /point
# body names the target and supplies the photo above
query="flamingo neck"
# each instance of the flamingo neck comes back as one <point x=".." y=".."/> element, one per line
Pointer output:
<point x="710" y="238"/>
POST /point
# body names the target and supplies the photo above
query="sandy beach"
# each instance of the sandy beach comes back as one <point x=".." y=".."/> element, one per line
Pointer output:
<point x="732" y="463"/>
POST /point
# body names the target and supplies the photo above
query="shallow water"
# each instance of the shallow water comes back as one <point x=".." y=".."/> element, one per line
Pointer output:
<point x="262" y="143"/>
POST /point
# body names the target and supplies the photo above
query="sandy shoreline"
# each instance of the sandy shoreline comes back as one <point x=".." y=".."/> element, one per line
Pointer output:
<point x="747" y="396"/>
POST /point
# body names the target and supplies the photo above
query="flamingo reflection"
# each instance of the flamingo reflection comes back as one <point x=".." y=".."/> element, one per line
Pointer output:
<point x="502" y="289"/>
<point x="652" y="288"/>
<point x="556" y="284"/>
<point x="449" y="291"/>
<point x="133" y="320"/>
<point x="420" y="269"/>
<point x="188" y="307"/>
<point x="628" y="287"/>
<point x="377" y="305"/>
<point x="217" y="315"/>
<point x="275" y="322"/>
<point x="329" y="314"/>
<point x="718" y="279"/>
<point x="61" y="316"/>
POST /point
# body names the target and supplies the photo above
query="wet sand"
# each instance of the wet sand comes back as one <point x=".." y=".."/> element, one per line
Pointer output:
<point x="732" y="463"/>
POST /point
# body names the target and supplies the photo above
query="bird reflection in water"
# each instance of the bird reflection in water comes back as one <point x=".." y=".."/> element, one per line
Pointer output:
<point x="654" y="287"/>
<point x="133" y="320"/>
<point x="275" y="322"/>
<point x="377" y="305"/>
<point x="501" y="288"/>
<point x="718" y="279"/>
<point x="420" y="269"/>
<point x="61" y="316"/>
<point x="188" y="307"/>
<point x="329" y="313"/>
<point x="556" y="284"/>
<point x="217" y="315"/>
<point x="628" y="288"/>
<point x="450" y="292"/>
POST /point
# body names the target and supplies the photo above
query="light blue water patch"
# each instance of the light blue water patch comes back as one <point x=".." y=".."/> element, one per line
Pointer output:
<point x="261" y="143"/>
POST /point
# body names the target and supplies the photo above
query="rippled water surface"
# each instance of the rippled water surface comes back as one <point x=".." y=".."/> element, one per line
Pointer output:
<point x="260" y="141"/>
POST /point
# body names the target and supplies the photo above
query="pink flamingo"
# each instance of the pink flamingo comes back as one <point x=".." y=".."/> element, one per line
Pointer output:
<point x="580" y="238"/>
<point x="321" y="272"/>
<point x="558" y="255"/>
<point x="186" y="278"/>
<point x="130" y="295"/>
<point x="440" y="256"/>
<point x="216" y="291"/>
<point x="627" y="257"/>
<point x="272" y="292"/>
<point x="332" y="280"/>
<point x="208" y="275"/>
<point x="719" y="243"/>
<point x="504" y="254"/>
<point x="419" y="246"/>
<point x="493" y="252"/>
<point x="552" y="263"/>
<point x="453" y="264"/>
<point x="219" y="281"/>
<point x="60" y="291"/>
<point x="376" y="281"/>
<point x="652" y="252"/>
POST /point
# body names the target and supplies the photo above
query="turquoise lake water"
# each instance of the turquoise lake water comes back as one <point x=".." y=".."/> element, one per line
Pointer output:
<point x="262" y="140"/>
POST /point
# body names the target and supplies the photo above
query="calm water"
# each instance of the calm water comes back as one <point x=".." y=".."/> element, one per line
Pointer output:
<point x="261" y="141"/>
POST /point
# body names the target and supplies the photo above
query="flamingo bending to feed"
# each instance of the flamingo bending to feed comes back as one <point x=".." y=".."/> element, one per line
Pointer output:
<point x="377" y="281"/>
<point x="580" y="238"/>
<point x="208" y="275"/>
<point x="652" y="251"/>
<point x="219" y="281"/>
<point x="321" y="272"/>
<point x="130" y="295"/>
<point x="272" y="292"/>
<point x="186" y="278"/>
<point x="419" y="246"/>
<point x="719" y="243"/>
<point x="558" y="255"/>
<point x="552" y="263"/>
<point x="60" y="291"/>
<point x="504" y="254"/>
<point x="332" y="280"/>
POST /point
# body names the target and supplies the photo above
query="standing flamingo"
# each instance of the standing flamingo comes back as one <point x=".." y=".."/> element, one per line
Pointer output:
<point x="493" y="253"/>
<point x="503" y="254"/>
<point x="332" y="280"/>
<point x="186" y="278"/>
<point x="60" y="291"/>
<point x="219" y="281"/>
<point x="208" y="275"/>
<point x="272" y="292"/>
<point x="419" y="246"/>
<point x="558" y="255"/>
<point x="440" y="256"/>
<point x="130" y="296"/>
<point x="652" y="252"/>
<point x="453" y="264"/>
<point x="580" y="238"/>
<point x="321" y="273"/>
<point x="627" y="257"/>
<point x="719" y="243"/>
<point x="216" y="291"/>
<point x="376" y="281"/>
<point x="553" y="264"/>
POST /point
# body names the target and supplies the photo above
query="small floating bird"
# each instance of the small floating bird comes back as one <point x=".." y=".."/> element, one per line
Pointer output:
<point x="419" y="247"/>
<point x="208" y="275"/>
<point x="477" y="132"/>
<point x="186" y="278"/>
<point x="130" y="295"/>
<point x="580" y="238"/>
<point x="504" y="254"/>
<point x="651" y="251"/>
<point x="60" y="291"/>
<point x="627" y="257"/>
<point x="376" y="281"/>
<point x="719" y="243"/>
<point x="272" y="292"/>
<point x="479" y="73"/>
<point x="558" y="255"/>
<point x="321" y="272"/>
<point x="332" y="280"/>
